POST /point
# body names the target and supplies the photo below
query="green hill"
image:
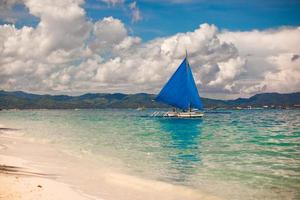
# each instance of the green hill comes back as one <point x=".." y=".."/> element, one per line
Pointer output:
<point x="23" y="100"/>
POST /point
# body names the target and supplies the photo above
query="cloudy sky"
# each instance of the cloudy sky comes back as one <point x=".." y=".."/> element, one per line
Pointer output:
<point x="236" y="48"/>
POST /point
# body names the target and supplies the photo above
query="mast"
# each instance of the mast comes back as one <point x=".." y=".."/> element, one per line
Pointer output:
<point x="186" y="54"/>
<point x="187" y="66"/>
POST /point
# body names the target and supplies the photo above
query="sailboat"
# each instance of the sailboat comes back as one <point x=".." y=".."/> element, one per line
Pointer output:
<point x="181" y="92"/>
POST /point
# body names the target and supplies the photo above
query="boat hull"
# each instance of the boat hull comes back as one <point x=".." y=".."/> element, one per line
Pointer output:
<point x="184" y="114"/>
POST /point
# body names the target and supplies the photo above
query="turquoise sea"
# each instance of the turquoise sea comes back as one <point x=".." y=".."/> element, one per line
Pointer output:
<point x="239" y="154"/>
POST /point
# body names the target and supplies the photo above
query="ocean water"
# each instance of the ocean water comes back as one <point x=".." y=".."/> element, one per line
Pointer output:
<point x="240" y="154"/>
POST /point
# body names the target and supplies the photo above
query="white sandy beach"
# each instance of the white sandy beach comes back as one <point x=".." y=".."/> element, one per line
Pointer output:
<point x="15" y="187"/>
<point x="34" y="170"/>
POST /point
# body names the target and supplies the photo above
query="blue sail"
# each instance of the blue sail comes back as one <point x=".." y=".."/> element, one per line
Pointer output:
<point x="181" y="91"/>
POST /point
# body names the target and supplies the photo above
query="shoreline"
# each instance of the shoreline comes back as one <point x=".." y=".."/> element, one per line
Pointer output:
<point x="31" y="170"/>
<point x="19" y="180"/>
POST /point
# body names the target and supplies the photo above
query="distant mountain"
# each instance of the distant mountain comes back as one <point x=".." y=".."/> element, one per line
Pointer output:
<point x="268" y="99"/>
<point x="23" y="100"/>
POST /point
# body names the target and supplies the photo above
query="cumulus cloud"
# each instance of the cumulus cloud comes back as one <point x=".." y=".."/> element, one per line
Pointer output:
<point x="271" y="55"/>
<point x="29" y="55"/>
<point x="228" y="71"/>
<point x="108" y="32"/>
<point x="110" y="36"/>
<point x="66" y="52"/>
<point x="287" y="74"/>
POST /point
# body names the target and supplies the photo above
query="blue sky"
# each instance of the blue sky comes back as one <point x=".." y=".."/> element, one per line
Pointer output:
<point x="163" y="18"/>
<point x="168" y="17"/>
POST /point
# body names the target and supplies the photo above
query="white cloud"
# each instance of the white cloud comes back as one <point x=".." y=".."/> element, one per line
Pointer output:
<point x="287" y="74"/>
<point x="30" y="55"/>
<point x="150" y="64"/>
<point x="269" y="53"/>
<point x="65" y="52"/>
<point x="227" y="72"/>
<point x="113" y="2"/>
<point x="108" y="33"/>
<point x="135" y="11"/>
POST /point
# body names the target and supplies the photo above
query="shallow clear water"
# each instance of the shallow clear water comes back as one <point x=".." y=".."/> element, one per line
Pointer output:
<point x="256" y="149"/>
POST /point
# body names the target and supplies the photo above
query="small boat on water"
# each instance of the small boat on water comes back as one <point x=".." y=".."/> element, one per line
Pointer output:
<point x="181" y="92"/>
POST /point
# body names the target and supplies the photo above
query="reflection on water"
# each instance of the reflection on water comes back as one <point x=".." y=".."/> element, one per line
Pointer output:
<point x="184" y="146"/>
